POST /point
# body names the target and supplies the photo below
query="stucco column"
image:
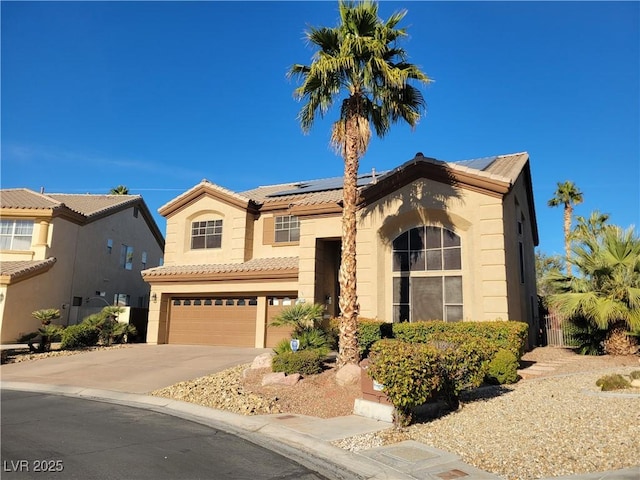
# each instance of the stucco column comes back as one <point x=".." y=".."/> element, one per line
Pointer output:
<point x="261" y="321"/>
<point x="43" y="233"/>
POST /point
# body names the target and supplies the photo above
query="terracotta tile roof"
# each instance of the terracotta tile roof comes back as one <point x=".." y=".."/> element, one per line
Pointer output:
<point x="204" y="183"/>
<point x="20" y="268"/>
<point x="84" y="204"/>
<point x="89" y="204"/>
<point x="253" y="265"/>
<point x="27" y="199"/>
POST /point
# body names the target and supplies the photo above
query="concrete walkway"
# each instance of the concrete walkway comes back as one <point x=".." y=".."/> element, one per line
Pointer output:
<point x="123" y="375"/>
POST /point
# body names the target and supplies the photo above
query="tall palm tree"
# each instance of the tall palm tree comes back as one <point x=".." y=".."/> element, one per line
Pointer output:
<point x="568" y="195"/>
<point x="360" y="59"/>
<point x="119" y="190"/>
<point x="607" y="291"/>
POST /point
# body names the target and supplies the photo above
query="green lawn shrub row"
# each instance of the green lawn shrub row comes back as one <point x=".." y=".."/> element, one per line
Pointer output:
<point x="304" y="362"/>
<point x="511" y="336"/>
<point x="415" y="373"/>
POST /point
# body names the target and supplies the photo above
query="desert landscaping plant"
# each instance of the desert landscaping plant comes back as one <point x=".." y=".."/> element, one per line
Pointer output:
<point x="304" y="362"/>
<point x="503" y="368"/>
<point x="47" y="332"/>
<point x="613" y="382"/>
<point x="606" y="291"/>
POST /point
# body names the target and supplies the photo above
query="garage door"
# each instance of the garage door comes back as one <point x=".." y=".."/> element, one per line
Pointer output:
<point x="213" y="321"/>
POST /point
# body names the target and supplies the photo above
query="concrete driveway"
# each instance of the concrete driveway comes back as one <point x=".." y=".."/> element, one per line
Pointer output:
<point x="136" y="368"/>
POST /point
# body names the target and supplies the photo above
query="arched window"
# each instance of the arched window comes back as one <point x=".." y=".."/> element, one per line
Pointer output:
<point x="427" y="276"/>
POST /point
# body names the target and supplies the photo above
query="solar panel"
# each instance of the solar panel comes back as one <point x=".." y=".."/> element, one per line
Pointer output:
<point x="325" y="184"/>
<point x="477" y="163"/>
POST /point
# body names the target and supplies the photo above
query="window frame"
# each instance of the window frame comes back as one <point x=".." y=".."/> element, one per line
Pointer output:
<point x="203" y="226"/>
<point x="13" y="235"/>
<point x="289" y="225"/>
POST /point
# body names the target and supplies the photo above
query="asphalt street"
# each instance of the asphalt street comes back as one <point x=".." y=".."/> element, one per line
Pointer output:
<point x="49" y="436"/>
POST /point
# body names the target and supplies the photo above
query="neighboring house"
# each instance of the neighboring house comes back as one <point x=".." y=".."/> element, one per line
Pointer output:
<point x="436" y="240"/>
<point x="77" y="253"/>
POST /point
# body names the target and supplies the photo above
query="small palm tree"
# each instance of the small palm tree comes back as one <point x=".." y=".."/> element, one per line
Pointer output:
<point x="119" y="190"/>
<point x="568" y="195"/>
<point x="300" y="317"/>
<point x="360" y="59"/>
<point x="607" y="291"/>
<point x="46" y="315"/>
<point x="48" y="333"/>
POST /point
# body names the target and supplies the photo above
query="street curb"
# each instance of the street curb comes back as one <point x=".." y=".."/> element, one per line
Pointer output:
<point x="315" y="454"/>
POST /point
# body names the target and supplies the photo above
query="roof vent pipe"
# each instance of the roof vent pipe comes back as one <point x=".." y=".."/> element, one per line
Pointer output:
<point x="41" y="190"/>
<point x="373" y="175"/>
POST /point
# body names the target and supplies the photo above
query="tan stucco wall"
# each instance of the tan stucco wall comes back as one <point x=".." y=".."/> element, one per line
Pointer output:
<point x="83" y="266"/>
<point x="474" y="216"/>
<point x="236" y="237"/>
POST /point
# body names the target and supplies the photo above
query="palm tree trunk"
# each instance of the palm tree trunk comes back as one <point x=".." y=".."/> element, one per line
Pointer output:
<point x="568" y="211"/>
<point x="348" y="351"/>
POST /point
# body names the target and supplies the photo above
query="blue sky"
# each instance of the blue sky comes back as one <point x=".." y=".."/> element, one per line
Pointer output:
<point x="159" y="95"/>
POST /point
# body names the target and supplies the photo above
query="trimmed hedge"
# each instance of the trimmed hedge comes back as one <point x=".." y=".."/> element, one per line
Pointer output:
<point x="414" y="373"/>
<point x="79" y="336"/>
<point x="370" y="331"/>
<point x="511" y="336"/>
<point x="304" y="362"/>
<point x="503" y="368"/>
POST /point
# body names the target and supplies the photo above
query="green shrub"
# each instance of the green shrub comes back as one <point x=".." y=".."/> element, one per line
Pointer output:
<point x="414" y="373"/>
<point x="370" y="331"/>
<point x="510" y="336"/>
<point x="304" y="362"/>
<point x="409" y="372"/>
<point x="635" y="375"/>
<point x="79" y="336"/>
<point x="282" y="346"/>
<point x="503" y="368"/>
<point x="612" y="382"/>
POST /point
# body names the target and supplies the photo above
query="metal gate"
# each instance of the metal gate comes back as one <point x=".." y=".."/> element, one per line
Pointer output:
<point x="556" y="335"/>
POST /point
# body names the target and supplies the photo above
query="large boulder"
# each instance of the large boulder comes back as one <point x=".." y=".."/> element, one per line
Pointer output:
<point x="279" y="378"/>
<point x="348" y="375"/>
<point x="262" y="361"/>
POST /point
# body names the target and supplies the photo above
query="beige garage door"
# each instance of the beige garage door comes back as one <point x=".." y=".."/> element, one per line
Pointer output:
<point x="213" y="321"/>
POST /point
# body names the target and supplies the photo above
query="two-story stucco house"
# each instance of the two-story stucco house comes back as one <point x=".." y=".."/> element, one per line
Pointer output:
<point x="436" y="240"/>
<point x="76" y="253"/>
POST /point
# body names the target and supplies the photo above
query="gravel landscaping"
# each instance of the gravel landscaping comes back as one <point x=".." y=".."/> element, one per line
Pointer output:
<point x="554" y="422"/>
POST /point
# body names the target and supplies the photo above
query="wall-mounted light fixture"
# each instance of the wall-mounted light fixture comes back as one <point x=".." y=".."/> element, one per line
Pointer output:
<point x="154" y="297"/>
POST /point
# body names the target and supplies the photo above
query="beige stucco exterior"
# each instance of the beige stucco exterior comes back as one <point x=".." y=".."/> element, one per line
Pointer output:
<point x="69" y="262"/>
<point x="491" y="214"/>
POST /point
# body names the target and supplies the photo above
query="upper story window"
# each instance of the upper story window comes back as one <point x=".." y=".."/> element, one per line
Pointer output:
<point x="126" y="257"/>
<point x="287" y="229"/>
<point x="207" y="234"/>
<point x="15" y="234"/>
<point x="426" y="248"/>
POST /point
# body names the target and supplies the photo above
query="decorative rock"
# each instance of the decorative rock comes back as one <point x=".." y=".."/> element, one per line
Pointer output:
<point x="635" y="383"/>
<point x="273" y="378"/>
<point x="279" y="378"/>
<point x="262" y="361"/>
<point x="348" y="375"/>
